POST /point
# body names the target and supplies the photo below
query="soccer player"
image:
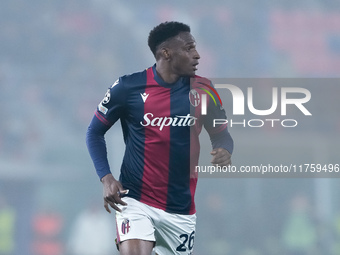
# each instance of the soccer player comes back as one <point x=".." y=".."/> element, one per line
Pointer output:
<point x="162" y="111"/>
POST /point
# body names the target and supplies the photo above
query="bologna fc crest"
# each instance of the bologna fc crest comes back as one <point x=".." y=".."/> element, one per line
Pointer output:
<point x="125" y="226"/>
<point x="194" y="98"/>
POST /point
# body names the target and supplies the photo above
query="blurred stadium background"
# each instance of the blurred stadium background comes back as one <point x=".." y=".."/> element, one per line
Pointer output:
<point x="58" y="57"/>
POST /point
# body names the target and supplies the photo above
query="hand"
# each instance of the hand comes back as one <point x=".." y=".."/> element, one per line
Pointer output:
<point x="221" y="157"/>
<point x="112" y="189"/>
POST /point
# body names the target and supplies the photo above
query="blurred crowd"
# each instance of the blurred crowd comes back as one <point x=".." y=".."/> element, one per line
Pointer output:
<point x="58" y="57"/>
<point x="70" y="51"/>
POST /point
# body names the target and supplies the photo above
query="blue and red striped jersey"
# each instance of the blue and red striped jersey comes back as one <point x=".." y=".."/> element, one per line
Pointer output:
<point x="161" y="123"/>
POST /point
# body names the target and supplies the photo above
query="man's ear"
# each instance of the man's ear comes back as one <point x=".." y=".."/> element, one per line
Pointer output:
<point x="165" y="53"/>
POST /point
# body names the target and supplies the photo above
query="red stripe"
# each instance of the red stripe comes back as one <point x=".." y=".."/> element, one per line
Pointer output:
<point x="118" y="236"/>
<point x="102" y="119"/>
<point x="193" y="183"/>
<point x="214" y="90"/>
<point x="157" y="146"/>
<point x="195" y="151"/>
<point x="219" y="129"/>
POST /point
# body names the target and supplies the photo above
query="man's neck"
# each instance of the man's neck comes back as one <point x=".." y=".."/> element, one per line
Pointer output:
<point x="164" y="73"/>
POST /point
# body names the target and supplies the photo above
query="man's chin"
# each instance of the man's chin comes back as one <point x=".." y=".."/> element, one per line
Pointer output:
<point x="190" y="74"/>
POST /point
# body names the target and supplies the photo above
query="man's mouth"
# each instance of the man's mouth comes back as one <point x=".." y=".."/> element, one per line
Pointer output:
<point x="195" y="66"/>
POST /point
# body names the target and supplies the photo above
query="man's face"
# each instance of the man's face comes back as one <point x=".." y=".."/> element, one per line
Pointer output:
<point x="184" y="56"/>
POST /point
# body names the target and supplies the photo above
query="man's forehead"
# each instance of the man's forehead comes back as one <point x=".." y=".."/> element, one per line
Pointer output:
<point x="182" y="38"/>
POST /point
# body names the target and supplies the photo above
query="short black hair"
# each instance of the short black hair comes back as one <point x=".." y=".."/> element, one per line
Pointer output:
<point x="165" y="31"/>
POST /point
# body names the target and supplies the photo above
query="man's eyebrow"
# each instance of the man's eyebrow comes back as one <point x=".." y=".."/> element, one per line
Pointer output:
<point x="188" y="43"/>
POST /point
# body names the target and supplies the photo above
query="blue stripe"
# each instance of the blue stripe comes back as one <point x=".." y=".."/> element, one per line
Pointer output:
<point x="179" y="196"/>
<point x="133" y="162"/>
